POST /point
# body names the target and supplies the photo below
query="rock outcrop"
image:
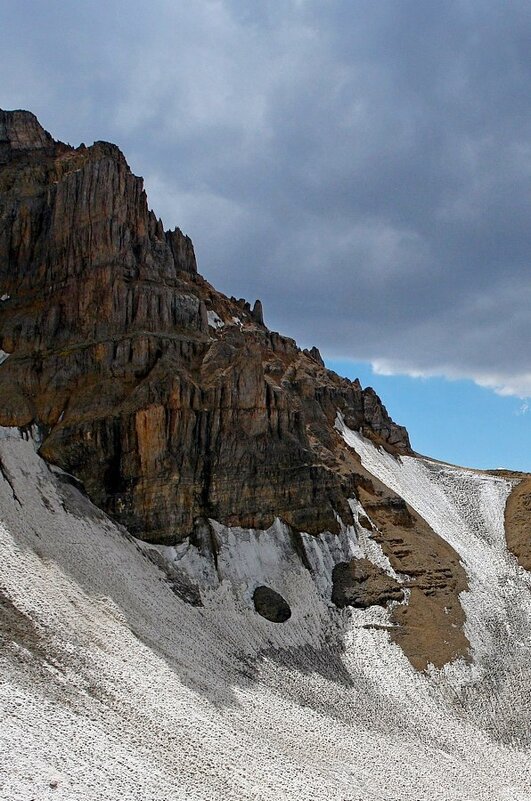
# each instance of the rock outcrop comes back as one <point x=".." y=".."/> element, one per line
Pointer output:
<point x="429" y="628"/>
<point x="271" y="605"/>
<point x="360" y="583"/>
<point x="170" y="401"/>
<point x="518" y="521"/>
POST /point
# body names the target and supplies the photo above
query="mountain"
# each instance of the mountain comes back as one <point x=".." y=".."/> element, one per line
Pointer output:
<point x="172" y="403"/>
<point x="226" y="573"/>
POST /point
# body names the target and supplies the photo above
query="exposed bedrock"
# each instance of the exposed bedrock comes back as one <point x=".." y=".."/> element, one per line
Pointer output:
<point x="171" y="402"/>
<point x="360" y="583"/>
<point x="429" y="628"/>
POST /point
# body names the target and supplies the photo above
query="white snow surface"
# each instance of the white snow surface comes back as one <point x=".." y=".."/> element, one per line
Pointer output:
<point x="113" y="687"/>
<point x="214" y="320"/>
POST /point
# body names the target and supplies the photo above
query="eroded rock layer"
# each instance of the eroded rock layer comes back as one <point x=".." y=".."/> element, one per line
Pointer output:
<point x="429" y="626"/>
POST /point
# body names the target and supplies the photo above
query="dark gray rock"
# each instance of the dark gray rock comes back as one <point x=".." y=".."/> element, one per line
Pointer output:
<point x="271" y="605"/>
<point x="257" y="312"/>
<point x="361" y="583"/>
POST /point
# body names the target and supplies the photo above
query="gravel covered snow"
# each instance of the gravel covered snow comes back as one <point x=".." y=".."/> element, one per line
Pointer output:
<point x="112" y="687"/>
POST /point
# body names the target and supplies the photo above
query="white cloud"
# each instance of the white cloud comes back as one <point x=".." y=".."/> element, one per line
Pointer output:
<point x="518" y="385"/>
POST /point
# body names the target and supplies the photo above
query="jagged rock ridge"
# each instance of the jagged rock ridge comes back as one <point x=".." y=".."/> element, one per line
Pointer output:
<point x="171" y="402"/>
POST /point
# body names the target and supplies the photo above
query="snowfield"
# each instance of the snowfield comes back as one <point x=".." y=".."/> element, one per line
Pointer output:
<point x="114" y="688"/>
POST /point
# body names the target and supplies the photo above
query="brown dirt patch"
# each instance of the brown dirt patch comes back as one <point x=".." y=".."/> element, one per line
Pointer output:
<point x="518" y="522"/>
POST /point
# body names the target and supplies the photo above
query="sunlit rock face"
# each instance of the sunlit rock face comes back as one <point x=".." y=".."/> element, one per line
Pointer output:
<point x="518" y="521"/>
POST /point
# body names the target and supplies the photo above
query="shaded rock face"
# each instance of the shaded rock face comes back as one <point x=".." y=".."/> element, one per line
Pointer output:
<point x="21" y="131"/>
<point x="167" y="418"/>
<point x="361" y="584"/>
<point x="271" y="605"/>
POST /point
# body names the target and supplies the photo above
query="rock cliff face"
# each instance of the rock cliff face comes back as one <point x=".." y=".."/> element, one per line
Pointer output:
<point x="171" y="402"/>
<point x="178" y="408"/>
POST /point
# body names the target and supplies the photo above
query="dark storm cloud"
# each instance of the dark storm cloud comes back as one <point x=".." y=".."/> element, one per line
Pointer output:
<point x="363" y="167"/>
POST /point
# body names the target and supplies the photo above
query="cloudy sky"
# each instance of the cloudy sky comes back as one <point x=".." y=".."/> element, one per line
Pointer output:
<point x="362" y="166"/>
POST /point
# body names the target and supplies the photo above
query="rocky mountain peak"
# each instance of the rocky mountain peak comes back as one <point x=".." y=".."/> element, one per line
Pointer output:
<point x="21" y="131"/>
<point x="183" y="415"/>
<point x="171" y="402"/>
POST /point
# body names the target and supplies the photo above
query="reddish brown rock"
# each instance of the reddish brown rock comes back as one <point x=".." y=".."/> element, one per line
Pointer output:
<point x="165" y="418"/>
<point x="518" y="521"/>
<point x="429" y="628"/>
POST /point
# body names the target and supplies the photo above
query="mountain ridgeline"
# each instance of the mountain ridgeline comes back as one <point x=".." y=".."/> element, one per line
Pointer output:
<point x="171" y="402"/>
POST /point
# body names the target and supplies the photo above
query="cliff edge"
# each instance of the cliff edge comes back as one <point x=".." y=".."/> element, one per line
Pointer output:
<point x="171" y="402"/>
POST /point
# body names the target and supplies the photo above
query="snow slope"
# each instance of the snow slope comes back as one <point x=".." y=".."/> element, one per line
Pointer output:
<point x="113" y="687"/>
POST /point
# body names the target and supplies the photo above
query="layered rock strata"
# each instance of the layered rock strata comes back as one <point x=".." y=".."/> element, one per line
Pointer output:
<point x="171" y="402"/>
<point x="429" y="626"/>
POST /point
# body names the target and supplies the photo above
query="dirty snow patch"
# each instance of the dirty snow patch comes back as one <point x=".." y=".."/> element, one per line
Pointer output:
<point x="214" y="320"/>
